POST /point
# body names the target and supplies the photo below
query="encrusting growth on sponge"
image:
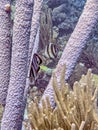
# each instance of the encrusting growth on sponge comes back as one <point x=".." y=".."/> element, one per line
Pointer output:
<point x="7" y="7"/>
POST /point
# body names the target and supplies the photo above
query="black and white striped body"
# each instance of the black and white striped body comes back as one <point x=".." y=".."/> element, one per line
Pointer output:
<point x="51" y="51"/>
<point x="35" y="67"/>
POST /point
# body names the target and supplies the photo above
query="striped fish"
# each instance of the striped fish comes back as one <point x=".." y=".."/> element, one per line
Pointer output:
<point x="35" y="67"/>
<point x="51" y="51"/>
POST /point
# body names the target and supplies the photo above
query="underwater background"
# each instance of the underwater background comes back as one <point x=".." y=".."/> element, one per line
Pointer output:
<point x="58" y="20"/>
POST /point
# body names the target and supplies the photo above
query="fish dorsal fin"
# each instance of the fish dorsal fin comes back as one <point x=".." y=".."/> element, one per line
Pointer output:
<point x="37" y="58"/>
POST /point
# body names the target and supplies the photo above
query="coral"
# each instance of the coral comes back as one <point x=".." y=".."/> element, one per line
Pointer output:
<point x="46" y="30"/>
<point x="75" y="109"/>
<point x="1" y="112"/>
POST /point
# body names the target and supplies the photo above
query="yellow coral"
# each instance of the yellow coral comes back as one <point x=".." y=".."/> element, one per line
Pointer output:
<point x="75" y="109"/>
<point x="1" y="112"/>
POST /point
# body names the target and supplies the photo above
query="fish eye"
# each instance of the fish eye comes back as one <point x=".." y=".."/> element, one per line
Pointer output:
<point x="37" y="61"/>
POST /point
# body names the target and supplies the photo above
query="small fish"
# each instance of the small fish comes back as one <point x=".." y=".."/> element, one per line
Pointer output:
<point x="35" y="67"/>
<point x="51" y="51"/>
